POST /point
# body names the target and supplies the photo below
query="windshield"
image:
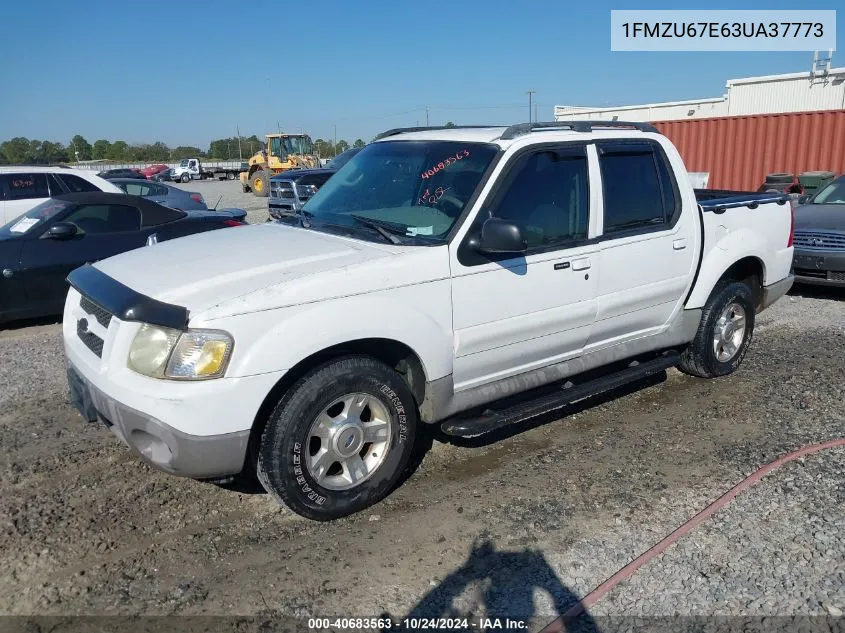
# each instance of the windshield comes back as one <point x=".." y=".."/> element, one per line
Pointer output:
<point x="341" y="159"/>
<point x="413" y="188"/>
<point x="834" y="193"/>
<point x="298" y="145"/>
<point x="33" y="219"/>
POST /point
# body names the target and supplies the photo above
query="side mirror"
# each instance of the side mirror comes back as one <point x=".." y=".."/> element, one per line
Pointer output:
<point x="61" y="231"/>
<point x="804" y="199"/>
<point x="500" y="237"/>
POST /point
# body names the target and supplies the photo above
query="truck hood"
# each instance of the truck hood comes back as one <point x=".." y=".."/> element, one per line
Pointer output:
<point x="261" y="267"/>
<point x="830" y="217"/>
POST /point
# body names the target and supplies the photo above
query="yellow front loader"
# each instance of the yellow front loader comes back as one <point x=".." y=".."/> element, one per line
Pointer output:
<point x="282" y="152"/>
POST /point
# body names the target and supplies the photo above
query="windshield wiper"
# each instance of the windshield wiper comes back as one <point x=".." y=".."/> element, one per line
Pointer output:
<point x="386" y="233"/>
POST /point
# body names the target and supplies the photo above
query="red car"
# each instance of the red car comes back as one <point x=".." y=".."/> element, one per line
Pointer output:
<point x="152" y="170"/>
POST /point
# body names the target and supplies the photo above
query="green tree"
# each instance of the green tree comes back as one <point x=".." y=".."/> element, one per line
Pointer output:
<point x="79" y="145"/>
<point x="50" y="153"/>
<point x="323" y="148"/>
<point x="341" y="146"/>
<point x="358" y="143"/>
<point x="100" y="150"/>
<point x="119" y="151"/>
<point x="16" y="150"/>
<point x="450" y="124"/>
<point x="186" y="152"/>
<point x="158" y="152"/>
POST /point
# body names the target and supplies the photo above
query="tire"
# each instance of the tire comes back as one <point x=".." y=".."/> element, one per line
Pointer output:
<point x="779" y="178"/>
<point x="185" y="178"/>
<point x="230" y="176"/>
<point x="293" y="438"/>
<point x="707" y="357"/>
<point x="259" y="182"/>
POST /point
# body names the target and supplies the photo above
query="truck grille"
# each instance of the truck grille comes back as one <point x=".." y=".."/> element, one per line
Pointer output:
<point x="820" y="240"/>
<point x="91" y="340"/>
<point x="103" y="316"/>
<point x="83" y="330"/>
<point x="281" y="189"/>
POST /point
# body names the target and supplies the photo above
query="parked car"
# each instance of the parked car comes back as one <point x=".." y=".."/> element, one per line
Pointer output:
<point x="161" y="193"/>
<point x="39" y="249"/>
<point x="22" y="188"/>
<point x="820" y="237"/>
<point x="109" y="174"/>
<point x="291" y="189"/>
<point x="152" y="170"/>
<point x="437" y="273"/>
<point x="163" y="176"/>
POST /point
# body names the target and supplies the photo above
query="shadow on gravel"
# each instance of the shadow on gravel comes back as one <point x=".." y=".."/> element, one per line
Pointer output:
<point x="499" y="589"/>
<point x="817" y="292"/>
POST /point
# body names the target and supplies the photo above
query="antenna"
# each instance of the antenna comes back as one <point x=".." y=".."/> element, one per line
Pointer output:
<point x="218" y="202"/>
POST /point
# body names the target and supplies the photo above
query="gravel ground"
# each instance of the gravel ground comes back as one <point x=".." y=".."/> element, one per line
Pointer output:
<point x="522" y="526"/>
<point x="232" y="196"/>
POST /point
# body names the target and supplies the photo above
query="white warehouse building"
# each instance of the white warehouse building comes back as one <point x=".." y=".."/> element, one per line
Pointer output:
<point x="772" y="94"/>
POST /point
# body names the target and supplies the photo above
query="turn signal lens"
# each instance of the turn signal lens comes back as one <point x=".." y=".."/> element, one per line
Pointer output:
<point x="200" y="354"/>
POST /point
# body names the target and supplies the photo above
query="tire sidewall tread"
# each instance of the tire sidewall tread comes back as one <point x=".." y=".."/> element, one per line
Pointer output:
<point x="283" y="446"/>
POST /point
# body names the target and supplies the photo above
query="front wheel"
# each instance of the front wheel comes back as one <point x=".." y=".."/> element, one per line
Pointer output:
<point x="724" y="334"/>
<point x="339" y="440"/>
<point x="185" y="178"/>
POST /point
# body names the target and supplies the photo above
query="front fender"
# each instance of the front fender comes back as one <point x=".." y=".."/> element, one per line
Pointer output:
<point x="730" y="247"/>
<point x="299" y="332"/>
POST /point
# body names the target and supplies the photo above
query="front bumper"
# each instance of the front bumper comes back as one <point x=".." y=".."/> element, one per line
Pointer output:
<point x="819" y="267"/>
<point x="158" y="444"/>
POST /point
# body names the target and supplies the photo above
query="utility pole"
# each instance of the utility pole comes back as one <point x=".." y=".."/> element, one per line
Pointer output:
<point x="240" y="153"/>
<point x="426" y="116"/>
<point x="530" y="93"/>
<point x="535" y="113"/>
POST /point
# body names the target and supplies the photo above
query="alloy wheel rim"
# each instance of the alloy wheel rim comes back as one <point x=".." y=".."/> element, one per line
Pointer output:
<point x="729" y="332"/>
<point x="348" y="441"/>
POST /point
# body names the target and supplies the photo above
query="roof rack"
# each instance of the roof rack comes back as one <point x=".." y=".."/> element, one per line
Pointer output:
<point x="576" y="126"/>
<point x="402" y="130"/>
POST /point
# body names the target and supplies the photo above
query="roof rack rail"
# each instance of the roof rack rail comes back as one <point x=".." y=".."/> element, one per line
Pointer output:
<point x="402" y="130"/>
<point x="576" y="126"/>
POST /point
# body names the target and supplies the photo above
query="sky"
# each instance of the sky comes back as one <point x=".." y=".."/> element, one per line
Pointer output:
<point x="150" y="71"/>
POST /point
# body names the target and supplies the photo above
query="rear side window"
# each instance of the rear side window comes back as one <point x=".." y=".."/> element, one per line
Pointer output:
<point x="25" y="186"/>
<point x="105" y="218"/>
<point x="639" y="191"/>
<point x="76" y="184"/>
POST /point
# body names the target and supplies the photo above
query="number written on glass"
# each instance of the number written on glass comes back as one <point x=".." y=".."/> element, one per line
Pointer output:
<point x="450" y="160"/>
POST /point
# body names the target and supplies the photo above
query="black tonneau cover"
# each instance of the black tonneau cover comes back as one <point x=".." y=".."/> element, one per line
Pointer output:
<point x="720" y="199"/>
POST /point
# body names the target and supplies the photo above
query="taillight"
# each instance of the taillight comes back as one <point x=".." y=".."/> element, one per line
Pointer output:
<point x="234" y="223"/>
<point x="791" y="225"/>
<point x="197" y="198"/>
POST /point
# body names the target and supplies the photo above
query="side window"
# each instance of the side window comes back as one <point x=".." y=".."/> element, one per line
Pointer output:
<point x="26" y="186"/>
<point x="105" y="218"/>
<point x="134" y="188"/>
<point x="157" y="190"/>
<point x="76" y="184"/>
<point x="638" y="188"/>
<point x="546" y="196"/>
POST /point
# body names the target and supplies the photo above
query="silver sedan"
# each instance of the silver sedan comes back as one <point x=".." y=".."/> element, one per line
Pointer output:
<point x="163" y="193"/>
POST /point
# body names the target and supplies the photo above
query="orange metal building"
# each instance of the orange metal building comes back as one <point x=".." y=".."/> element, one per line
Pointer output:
<point x="739" y="151"/>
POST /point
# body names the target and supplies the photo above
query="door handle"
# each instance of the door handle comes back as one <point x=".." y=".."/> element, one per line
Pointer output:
<point x="680" y="244"/>
<point x="581" y="264"/>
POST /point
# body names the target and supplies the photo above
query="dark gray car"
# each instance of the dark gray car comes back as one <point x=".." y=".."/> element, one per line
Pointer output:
<point x="820" y="237"/>
<point x="163" y="193"/>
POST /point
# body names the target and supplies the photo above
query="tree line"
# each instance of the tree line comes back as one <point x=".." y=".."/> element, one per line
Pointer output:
<point x="24" y="151"/>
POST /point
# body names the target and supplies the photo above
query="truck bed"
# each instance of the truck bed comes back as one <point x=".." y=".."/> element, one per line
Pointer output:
<point x="712" y="199"/>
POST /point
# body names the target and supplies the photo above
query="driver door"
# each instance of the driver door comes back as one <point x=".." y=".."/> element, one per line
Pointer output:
<point x="513" y="314"/>
<point x="103" y="230"/>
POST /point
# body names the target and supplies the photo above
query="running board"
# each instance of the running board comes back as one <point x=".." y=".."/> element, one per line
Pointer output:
<point x="491" y="420"/>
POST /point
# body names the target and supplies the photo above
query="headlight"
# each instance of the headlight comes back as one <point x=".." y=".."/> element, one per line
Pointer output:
<point x="161" y="352"/>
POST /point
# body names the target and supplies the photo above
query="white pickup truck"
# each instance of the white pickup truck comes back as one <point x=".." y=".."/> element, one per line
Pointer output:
<point x="436" y="275"/>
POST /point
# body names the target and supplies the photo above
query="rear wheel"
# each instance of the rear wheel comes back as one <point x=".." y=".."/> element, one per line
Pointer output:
<point x="230" y="176"/>
<point x="339" y="440"/>
<point x="259" y="183"/>
<point x="724" y="334"/>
